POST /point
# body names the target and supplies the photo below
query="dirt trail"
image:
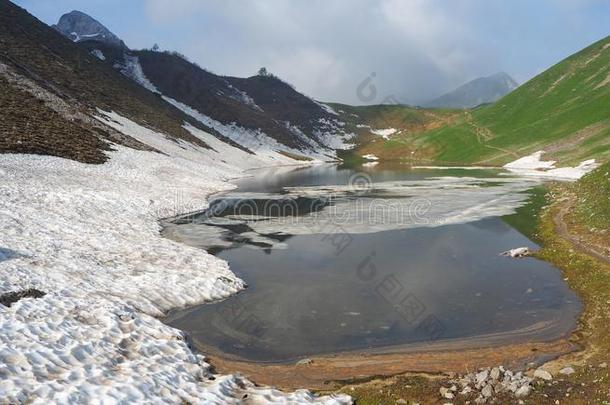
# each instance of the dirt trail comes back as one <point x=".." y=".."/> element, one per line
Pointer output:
<point x="562" y="229"/>
<point x="484" y="135"/>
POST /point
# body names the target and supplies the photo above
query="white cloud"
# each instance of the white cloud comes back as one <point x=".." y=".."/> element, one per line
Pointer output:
<point x="170" y="11"/>
<point x="417" y="48"/>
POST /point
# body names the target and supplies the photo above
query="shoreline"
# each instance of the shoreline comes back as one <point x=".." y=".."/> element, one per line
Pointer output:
<point x="459" y="355"/>
<point x="321" y="372"/>
<point x="329" y="373"/>
<point x="589" y="278"/>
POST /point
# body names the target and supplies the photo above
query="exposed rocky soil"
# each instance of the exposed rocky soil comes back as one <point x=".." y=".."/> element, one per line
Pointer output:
<point x="28" y="125"/>
<point x="41" y="54"/>
<point x="10" y="298"/>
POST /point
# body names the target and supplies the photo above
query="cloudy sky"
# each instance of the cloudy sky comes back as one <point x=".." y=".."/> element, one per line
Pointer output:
<point x="409" y="50"/>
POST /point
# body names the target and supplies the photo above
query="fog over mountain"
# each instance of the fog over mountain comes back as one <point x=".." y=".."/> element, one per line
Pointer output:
<point x="479" y="91"/>
<point x="412" y="50"/>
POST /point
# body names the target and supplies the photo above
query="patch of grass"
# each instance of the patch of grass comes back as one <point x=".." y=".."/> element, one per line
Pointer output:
<point x="399" y="390"/>
<point x="408" y="122"/>
<point x="593" y="193"/>
<point x="590" y="279"/>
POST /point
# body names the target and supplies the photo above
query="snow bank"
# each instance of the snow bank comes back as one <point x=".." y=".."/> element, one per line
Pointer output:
<point x="326" y="107"/>
<point x="370" y="156"/>
<point x="88" y="236"/>
<point x="133" y="70"/>
<point x="384" y="133"/>
<point x="331" y="133"/>
<point x="254" y="140"/>
<point x="531" y="162"/>
<point x="98" y="54"/>
<point x="533" y="165"/>
<point x="571" y="173"/>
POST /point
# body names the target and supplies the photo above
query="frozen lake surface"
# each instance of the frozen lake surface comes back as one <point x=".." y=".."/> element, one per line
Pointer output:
<point x="342" y="259"/>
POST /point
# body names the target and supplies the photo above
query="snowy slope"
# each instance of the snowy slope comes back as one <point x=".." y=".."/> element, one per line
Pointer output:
<point x="88" y="236"/>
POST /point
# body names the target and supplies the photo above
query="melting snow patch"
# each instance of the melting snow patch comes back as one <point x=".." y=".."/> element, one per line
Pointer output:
<point x="98" y="54"/>
<point x="389" y="205"/>
<point x="533" y="165"/>
<point x="370" y="156"/>
<point x="89" y="236"/>
<point x="133" y="70"/>
<point x="384" y="133"/>
<point x="531" y="162"/>
<point x="254" y="140"/>
<point x="326" y="108"/>
<point x="244" y="98"/>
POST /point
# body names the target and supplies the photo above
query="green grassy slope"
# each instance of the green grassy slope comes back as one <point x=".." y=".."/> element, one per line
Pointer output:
<point x="565" y="111"/>
<point x="408" y="121"/>
<point x="593" y="193"/>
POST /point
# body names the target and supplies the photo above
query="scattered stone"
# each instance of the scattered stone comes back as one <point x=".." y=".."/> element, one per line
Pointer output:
<point x="516" y="253"/>
<point x="401" y="401"/>
<point x="488" y="382"/>
<point x="487" y="391"/>
<point x="523" y="391"/>
<point x="543" y="375"/>
<point x="567" y="371"/>
<point x="304" y="362"/>
<point x="482" y="376"/>
<point x="603" y="365"/>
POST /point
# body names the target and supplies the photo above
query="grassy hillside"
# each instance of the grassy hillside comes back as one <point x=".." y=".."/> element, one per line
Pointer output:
<point x="407" y="121"/>
<point x="593" y="193"/>
<point x="564" y="111"/>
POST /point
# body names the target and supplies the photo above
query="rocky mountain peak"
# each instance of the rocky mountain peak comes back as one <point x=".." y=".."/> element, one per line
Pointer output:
<point x="79" y="26"/>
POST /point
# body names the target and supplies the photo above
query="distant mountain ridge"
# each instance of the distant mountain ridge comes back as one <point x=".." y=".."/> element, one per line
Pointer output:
<point x="79" y="26"/>
<point x="563" y="111"/>
<point x="256" y="108"/>
<point x="479" y="91"/>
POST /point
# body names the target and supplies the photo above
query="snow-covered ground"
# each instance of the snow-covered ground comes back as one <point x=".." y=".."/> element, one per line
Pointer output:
<point x="384" y="133"/>
<point x="88" y="236"/>
<point x="133" y="70"/>
<point x="533" y="165"/>
<point x="98" y="54"/>
<point x="255" y="140"/>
